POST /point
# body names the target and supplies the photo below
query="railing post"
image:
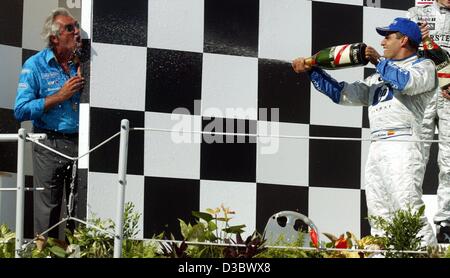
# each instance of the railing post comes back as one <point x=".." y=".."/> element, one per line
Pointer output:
<point x="20" y="195"/>
<point x="122" y="173"/>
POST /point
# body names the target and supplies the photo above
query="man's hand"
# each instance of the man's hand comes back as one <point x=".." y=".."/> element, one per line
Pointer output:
<point x="424" y="29"/>
<point x="445" y="93"/>
<point x="73" y="85"/>
<point x="372" y="55"/>
<point x="299" y="65"/>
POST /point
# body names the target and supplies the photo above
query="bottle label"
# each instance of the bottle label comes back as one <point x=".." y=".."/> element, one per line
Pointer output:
<point x="442" y="65"/>
<point x="347" y="54"/>
<point x="342" y="55"/>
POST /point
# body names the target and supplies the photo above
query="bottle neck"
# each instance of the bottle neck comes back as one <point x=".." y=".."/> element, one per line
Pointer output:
<point x="310" y="61"/>
<point x="429" y="44"/>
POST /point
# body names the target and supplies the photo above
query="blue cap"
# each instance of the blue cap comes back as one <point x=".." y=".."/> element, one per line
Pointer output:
<point x="405" y="26"/>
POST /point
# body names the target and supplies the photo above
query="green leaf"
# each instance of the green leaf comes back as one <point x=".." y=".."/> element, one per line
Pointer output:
<point x="212" y="226"/>
<point x="210" y="236"/>
<point x="184" y="229"/>
<point x="202" y="215"/>
<point x="3" y="229"/>
<point x="212" y="211"/>
<point x="422" y="210"/>
<point x="224" y="219"/>
<point x="58" y="251"/>
<point x="198" y="232"/>
<point x="234" y="229"/>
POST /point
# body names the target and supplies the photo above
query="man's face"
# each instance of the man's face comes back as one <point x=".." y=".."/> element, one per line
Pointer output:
<point x="69" y="33"/>
<point x="391" y="45"/>
<point x="445" y="3"/>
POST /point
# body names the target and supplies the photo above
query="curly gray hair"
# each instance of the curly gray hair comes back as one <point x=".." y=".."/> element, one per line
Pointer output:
<point x="51" y="27"/>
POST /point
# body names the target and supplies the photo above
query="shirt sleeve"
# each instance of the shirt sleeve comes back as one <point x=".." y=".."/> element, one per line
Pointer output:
<point x="354" y="94"/>
<point x="419" y="78"/>
<point x="29" y="105"/>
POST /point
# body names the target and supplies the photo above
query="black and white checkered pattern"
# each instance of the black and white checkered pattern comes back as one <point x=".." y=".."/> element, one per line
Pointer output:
<point x="206" y="56"/>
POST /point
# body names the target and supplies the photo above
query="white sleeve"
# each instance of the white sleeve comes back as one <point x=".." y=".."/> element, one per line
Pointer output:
<point x="355" y="94"/>
<point x="422" y="78"/>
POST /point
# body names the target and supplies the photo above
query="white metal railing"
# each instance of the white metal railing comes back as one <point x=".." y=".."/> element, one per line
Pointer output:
<point x="20" y="189"/>
<point x="22" y="136"/>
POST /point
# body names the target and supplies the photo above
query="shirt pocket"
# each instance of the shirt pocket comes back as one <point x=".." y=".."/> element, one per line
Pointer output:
<point x="52" y="85"/>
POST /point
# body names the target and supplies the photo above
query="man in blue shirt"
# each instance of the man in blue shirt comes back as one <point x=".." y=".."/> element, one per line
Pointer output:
<point x="48" y="94"/>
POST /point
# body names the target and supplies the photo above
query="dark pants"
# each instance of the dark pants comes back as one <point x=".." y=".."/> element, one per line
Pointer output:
<point x="54" y="173"/>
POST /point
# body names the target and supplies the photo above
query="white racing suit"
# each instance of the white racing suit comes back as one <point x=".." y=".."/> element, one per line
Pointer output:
<point x="438" y="112"/>
<point x="397" y="96"/>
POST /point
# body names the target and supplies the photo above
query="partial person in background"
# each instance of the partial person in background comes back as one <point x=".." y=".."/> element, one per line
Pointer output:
<point x="435" y="22"/>
<point x="48" y="94"/>
<point x="397" y="95"/>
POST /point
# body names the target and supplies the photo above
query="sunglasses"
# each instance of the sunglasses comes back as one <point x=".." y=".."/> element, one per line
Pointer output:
<point x="71" y="27"/>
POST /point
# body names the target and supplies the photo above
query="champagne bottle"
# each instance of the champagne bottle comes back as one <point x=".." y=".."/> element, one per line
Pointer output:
<point x="440" y="58"/>
<point x="77" y="61"/>
<point x="341" y="56"/>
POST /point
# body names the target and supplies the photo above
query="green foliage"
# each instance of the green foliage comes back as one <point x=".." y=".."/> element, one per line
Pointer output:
<point x="87" y="241"/>
<point x="150" y="248"/>
<point x="285" y="252"/>
<point x="93" y="243"/>
<point x="7" y="242"/>
<point x="213" y="226"/>
<point x="130" y="221"/>
<point x="401" y="232"/>
<point x="97" y="244"/>
<point x="200" y="231"/>
<point x="437" y="251"/>
<point x="136" y="248"/>
<point x="447" y="254"/>
<point x="210" y="226"/>
<point x="254" y="245"/>
<point x="141" y="248"/>
<point x="173" y="250"/>
<point x="54" y="248"/>
<point x="345" y="241"/>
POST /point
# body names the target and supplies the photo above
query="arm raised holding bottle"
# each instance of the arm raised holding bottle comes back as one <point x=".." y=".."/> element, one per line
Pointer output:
<point x="339" y="92"/>
<point x="303" y="64"/>
<point x="440" y="57"/>
<point x="396" y="94"/>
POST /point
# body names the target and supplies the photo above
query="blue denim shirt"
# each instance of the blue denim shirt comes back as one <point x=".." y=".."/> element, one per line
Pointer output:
<point x="42" y="76"/>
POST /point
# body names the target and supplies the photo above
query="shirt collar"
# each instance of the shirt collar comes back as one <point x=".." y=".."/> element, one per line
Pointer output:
<point x="49" y="55"/>
<point x="411" y="57"/>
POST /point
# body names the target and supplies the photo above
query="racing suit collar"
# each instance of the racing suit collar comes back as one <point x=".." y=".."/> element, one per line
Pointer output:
<point x="404" y="59"/>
